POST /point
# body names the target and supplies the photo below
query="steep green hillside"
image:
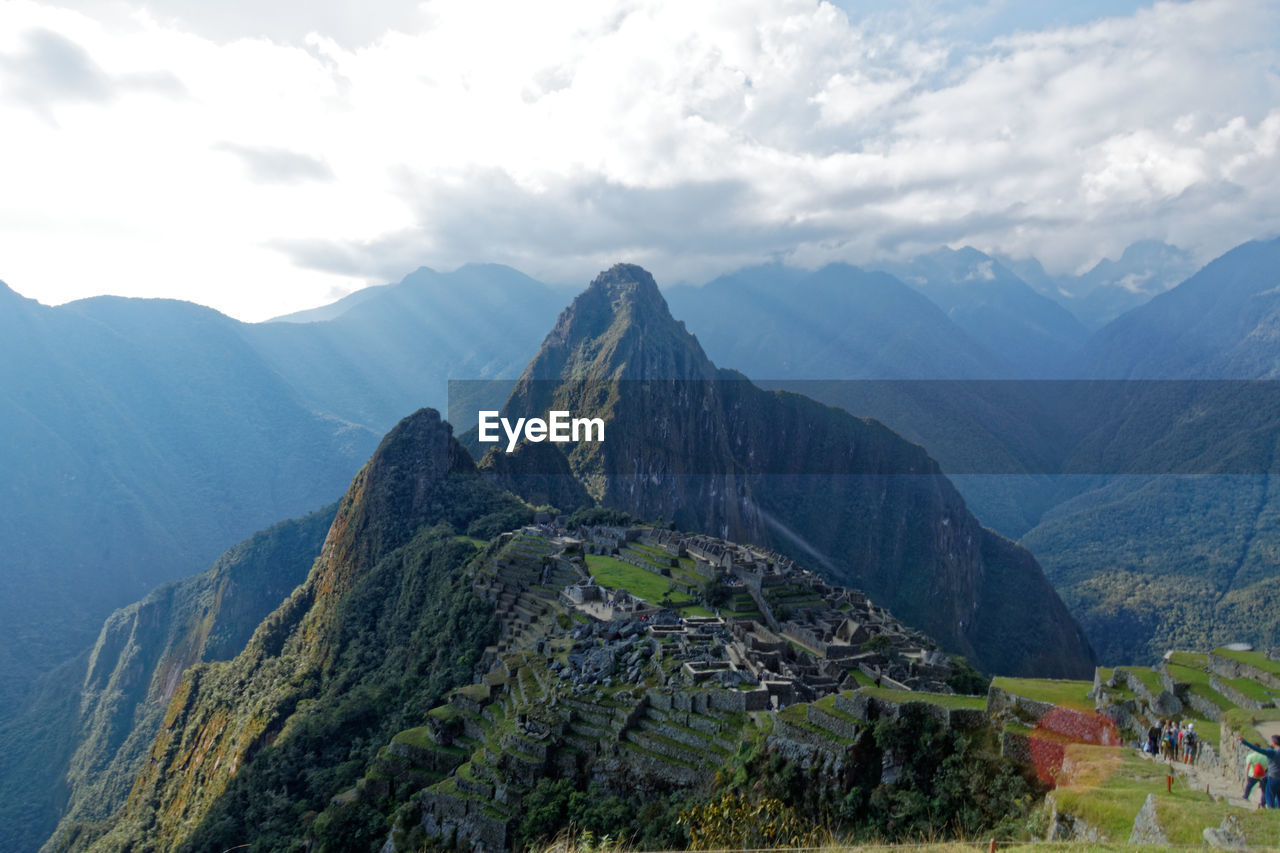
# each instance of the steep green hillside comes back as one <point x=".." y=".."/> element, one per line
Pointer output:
<point x="382" y="627"/>
<point x="144" y="437"/>
<point x="143" y="650"/>
<point x="1145" y="563"/>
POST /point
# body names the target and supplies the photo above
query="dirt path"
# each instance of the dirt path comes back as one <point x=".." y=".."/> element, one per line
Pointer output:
<point x="1267" y="729"/>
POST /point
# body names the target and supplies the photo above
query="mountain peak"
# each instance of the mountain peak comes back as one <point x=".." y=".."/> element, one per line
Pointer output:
<point x="629" y="285"/>
<point x="396" y="492"/>
<point x="619" y="328"/>
<point x="623" y="278"/>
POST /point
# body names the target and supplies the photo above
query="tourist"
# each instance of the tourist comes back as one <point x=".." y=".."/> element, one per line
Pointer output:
<point x="1255" y="770"/>
<point x="1153" y="739"/>
<point x="1270" y="785"/>
<point x="1190" y="744"/>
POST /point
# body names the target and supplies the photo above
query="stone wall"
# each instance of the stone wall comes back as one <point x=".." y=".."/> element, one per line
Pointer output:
<point x="870" y="708"/>
<point x="1232" y="754"/>
<point x="1228" y="668"/>
<point x="1235" y="696"/>
<point x="832" y="723"/>
<point x="444" y="815"/>
<point x="1204" y="707"/>
<point x="1027" y="710"/>
<point x="805" y="637"/>
<point x="736" y="701"/>
<point x="700" y="702"/>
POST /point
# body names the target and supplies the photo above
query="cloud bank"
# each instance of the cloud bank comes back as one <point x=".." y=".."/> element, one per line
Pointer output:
<point x="307" y="154"/>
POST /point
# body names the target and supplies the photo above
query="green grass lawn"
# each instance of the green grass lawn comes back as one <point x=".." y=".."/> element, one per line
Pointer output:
<point x="1067" y="694"/>
<point x="946" y="700"/>
<point x="1252" y="689"/>
<point x="1242" y="720"/>
<point x="1254" y="659"/>
<point x="1196" y="660"/>
<point x="1199" y="681"/>
<point x="615" y="574"/>
<point x="863" y="679"/>
<point x="652" y="551"/>
<point x="1146" y="676"/>
<point x="1110" y="786"/>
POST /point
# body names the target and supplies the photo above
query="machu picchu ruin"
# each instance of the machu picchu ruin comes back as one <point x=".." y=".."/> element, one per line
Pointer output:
<point x="639" y="605"/>
<point x="647" y="656"/>
<point x="624" y="659"/>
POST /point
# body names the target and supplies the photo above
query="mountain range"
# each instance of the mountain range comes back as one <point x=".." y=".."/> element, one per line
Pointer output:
<point x="893" y="535"/>
<point x="1110" y="288"/>
<point x="386" y="620"/>
<point x="1034" y="336"/>
<point x="170" y="410"/>
<point x="147" y="436"/>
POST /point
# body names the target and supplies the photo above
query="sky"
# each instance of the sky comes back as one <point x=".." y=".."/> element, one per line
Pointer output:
<point x="266" y="157"/>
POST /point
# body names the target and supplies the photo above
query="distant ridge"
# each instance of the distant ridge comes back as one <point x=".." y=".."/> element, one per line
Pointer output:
<point x="1221" y="323"/>
<point x="838" y="322"/>
<point x="1030" y="332"/>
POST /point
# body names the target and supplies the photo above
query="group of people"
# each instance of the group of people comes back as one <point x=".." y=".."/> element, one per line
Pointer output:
<point x="1179" y="742"/>
<point x="1173" y="741"/>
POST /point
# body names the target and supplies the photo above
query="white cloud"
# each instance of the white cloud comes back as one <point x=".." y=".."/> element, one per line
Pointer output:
<point x="561" y="137"/>
<point x="278" y="165"/>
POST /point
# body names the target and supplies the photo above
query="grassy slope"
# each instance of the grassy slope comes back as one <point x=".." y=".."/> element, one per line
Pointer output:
<point x="1068" y="694"/>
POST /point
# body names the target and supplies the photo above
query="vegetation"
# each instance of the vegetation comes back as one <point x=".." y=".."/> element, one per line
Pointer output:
<point x="384" y="627"/>
<point x="966" y="680"/>
<point x="1243" y="720"/>
<point x="615" y="574"/>
<point x="1110" y="785"/>
<point x="597" y="516"/>
<point x="405" y="648"/>
<point x="491" y="524"/>
<point x="950" y="785"/>
<point x="204" y="618"/>
<point x="732" y="821"/>
<point x="649" y="823"/>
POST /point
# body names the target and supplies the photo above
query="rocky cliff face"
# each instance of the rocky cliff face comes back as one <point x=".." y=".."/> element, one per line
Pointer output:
<point x="143" y="649"/>
<point x="711" y="451"/>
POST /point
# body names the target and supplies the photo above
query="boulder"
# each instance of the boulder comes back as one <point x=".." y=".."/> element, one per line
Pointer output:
<point x="1166" y="704"/>
<point x="1228" y="836"/>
